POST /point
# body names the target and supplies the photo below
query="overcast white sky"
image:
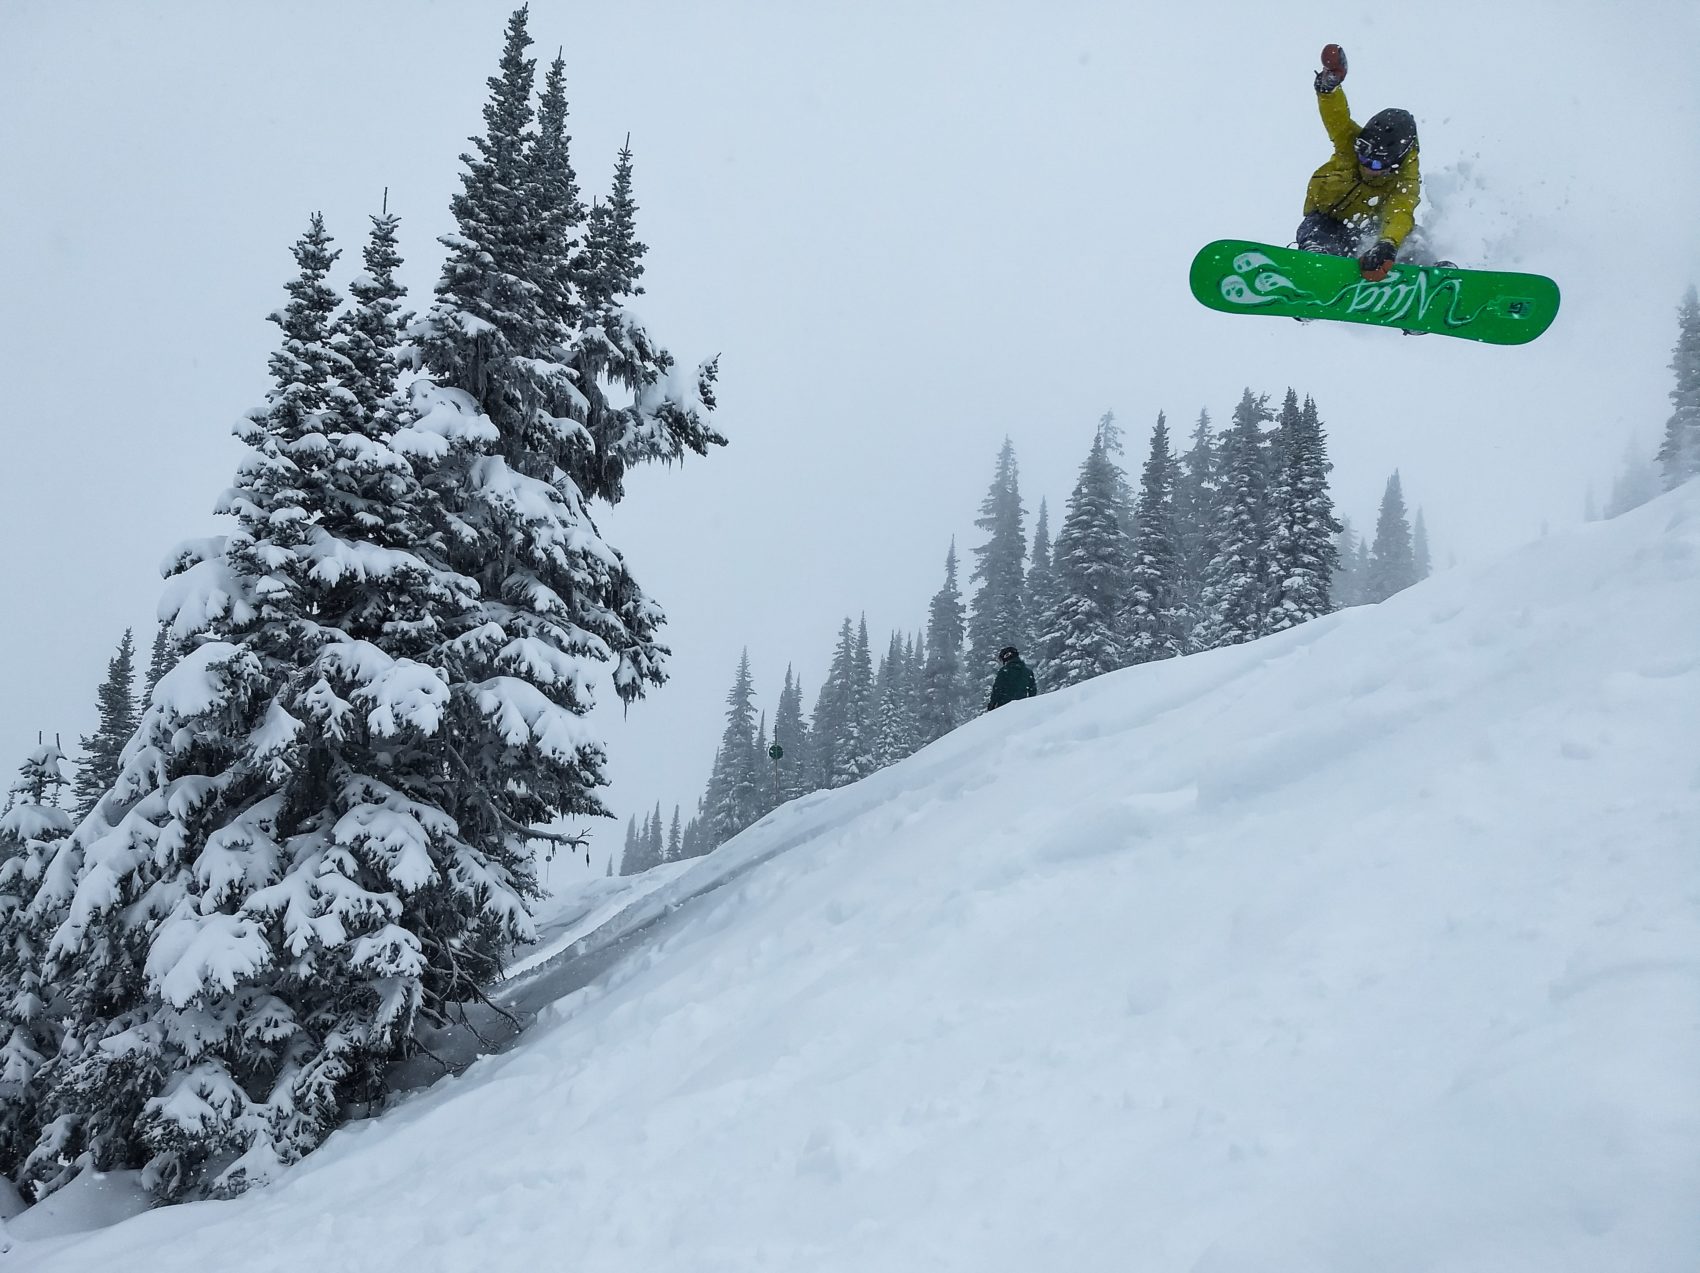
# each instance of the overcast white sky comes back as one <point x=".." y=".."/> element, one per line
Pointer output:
<point x="908" y="229"/>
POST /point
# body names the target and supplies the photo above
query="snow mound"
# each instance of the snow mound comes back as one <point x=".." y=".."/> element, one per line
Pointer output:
<point x="1373" y="945"/>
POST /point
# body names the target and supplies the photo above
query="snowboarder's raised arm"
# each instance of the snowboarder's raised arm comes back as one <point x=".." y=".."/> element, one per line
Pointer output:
<point x="1337" y="119"/>
<point x="1331" y="101"/>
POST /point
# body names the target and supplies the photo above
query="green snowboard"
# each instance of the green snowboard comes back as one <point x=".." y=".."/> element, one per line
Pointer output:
<point x="1254" y="278"/>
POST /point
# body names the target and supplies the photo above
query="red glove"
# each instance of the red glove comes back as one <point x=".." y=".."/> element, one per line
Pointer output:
<point x="1333" y="68"/>
<point x="1375" y="263"/>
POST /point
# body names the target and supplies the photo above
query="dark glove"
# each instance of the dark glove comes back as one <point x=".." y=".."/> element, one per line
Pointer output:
<point x="1375" y="263"/>
<point x="1333" y="68"/>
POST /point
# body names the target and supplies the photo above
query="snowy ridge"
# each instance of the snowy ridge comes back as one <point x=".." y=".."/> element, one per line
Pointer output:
<point x="1374" y="945"/>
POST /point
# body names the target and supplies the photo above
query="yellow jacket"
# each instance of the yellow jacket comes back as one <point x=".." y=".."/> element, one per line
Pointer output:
<point x="1340" y="188"/>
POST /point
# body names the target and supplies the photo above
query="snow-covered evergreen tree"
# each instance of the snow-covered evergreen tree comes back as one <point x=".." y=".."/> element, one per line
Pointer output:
<point x="910" y="668"/>
<point x="998" y="615"/>
<point x="915" y="656"/>
<point x="32" y="1011"/>
<point x="1237" y="579"/>
<point x="894" y="718"/>
<point x="532" y="357"/>
<point x="631" y="853"/>
<point x="675" y="837"/>
<point x="733" y="799"/>
<point x="1302" y="525"/>
<point x="853" y="756"/>
<point x="830" y="720"/>
<point x="1041" y="594"/>
<point x="1347" y="586"/>
<point x="695" y="842"/>
<point x="1287" y="424"/>
<point x="117" y="713"/>
<point x="160" y="661"/>
<point x="790" y="733"/>
<point x="1195" y="512"/>
<point x="613" y="245"/>
<point x="1679" y="452"/>
<point x="1127" y="499"/>
<point x="942" y="684"/>
<point x="655" y="839"/>
<point x="273" y="891"/>
<point x="767" y="785"/>
<point x="323" y="829"/>
<point x="1157" y="621"/>
<point x="371" y="332"/>
<point x="1084" y="634"/>
<point x="564" y="259"/>
<point x="1392" y="567"/>
<point x="1421" y="563"/>
<point x="635" y="404"/>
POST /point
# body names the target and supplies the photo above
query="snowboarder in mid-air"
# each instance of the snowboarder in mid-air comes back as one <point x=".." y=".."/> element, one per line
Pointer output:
<point x="1014" y="679"/>
<point x="1363" y="201"/>
<point x="1360" y="256"/>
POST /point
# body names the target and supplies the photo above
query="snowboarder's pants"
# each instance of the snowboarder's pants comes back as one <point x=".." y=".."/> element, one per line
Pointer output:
<point x="1320" y="232"/>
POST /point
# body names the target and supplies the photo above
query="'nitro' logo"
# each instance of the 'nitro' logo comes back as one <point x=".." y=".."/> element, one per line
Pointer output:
<point x="1405" y="295"/>
<point x="1399" y="297"/>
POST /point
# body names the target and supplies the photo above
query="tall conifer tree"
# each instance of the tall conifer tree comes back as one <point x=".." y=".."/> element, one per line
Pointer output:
<point x="33" y="1007"/>
<point x="1679" y="452"/>
<point x="942" y="689"/>
<point x="655" y="839"/>
<point x="1392" y="566"/>
<point x="915" y="682"/>
<point x="371" y="332"/>
<point x="695" y="837"/>
<point x="1041" y="593"/>
<point x="160" y="661"/>
<point x="733" y="800"/>
<point x="1085" y="633"/>
<point x="1346" y="587"/>
<point x="767" y="784"/>
<point x="1421" y="562"/>
<point x="998" y="614"/>
<point x="894" y="719"/>
<point x="1127" y="499"/>
<point x="1157" y="622"/>
<point x="281" y="813"/>
<point x="1302" y="525"/>
<point x="1195" y="512"/>
<point x="118" y="715"/>
<point x="831" y="720"/>
<point x="854" y="754"/>
<point x="334" y="794"/>
<point x="790" y="734"/>
<point x="1237" y="580"/>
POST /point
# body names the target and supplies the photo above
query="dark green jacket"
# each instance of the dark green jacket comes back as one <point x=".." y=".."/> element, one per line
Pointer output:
<point x="1015" y="680"/>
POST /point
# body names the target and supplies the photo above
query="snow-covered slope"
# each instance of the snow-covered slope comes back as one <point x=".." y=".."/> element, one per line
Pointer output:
<point x="1373" y="946"/>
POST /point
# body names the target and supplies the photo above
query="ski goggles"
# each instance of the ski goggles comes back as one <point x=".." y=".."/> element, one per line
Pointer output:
<point x="1375" y="163"/>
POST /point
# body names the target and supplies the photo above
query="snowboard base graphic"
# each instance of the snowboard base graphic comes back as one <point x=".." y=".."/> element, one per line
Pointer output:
<point x="1238" y="277"/>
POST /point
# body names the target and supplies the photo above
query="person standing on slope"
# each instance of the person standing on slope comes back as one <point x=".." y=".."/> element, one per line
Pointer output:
<point x="1363" y="201"/>
<point x="1014" y="679"/>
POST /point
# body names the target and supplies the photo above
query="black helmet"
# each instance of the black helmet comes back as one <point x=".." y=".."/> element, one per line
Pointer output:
<point x="1389" y="136"/>
<point x="1007" y="653"/>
